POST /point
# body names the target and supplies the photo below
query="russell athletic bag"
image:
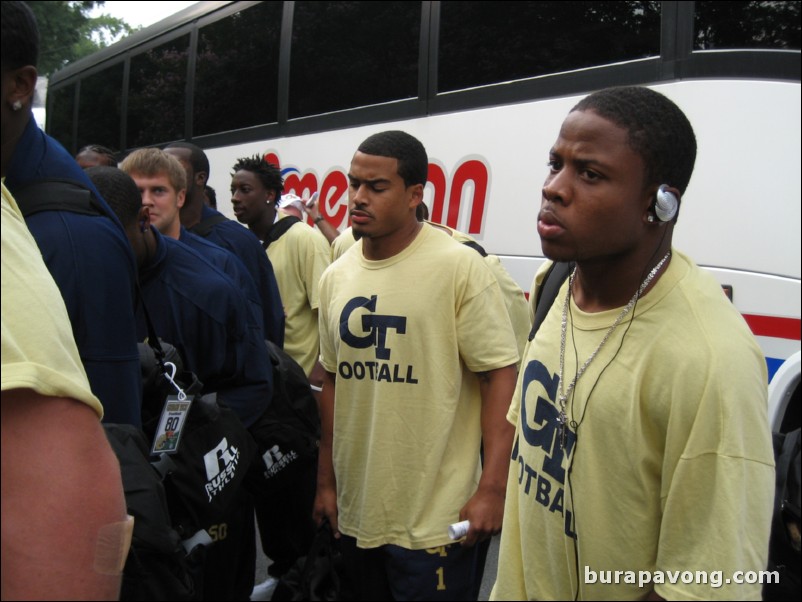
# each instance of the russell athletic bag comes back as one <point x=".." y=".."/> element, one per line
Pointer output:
<point x="287" y="436"/>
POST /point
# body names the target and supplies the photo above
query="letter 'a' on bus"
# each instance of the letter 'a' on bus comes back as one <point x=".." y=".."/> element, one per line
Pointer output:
<point x="233" y="79"/>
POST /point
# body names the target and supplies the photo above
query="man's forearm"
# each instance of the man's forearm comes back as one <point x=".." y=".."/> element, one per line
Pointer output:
<point x="64" y="515"/>
<point x="497" y="387"/>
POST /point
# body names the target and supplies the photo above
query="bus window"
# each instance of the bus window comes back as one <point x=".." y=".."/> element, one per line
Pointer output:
<point x="156" y="94"/>
<point x="61" y="105"/>
<point x="747" y="25"/>
<point x="489" y="42"/>
<point x="352" y="54"/>
<point x="236" y="78"/>
<point x="99" y="108"/>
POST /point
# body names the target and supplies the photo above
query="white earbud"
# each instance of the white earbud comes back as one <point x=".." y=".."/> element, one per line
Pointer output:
<point x="666" y="204"/>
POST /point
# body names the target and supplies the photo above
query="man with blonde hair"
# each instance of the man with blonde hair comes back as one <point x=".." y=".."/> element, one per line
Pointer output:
<point x="162" y="182"/>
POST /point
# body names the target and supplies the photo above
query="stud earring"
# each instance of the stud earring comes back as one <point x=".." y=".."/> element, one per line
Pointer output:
<point x="16" y="105"/>
<point x="650" y="219"/>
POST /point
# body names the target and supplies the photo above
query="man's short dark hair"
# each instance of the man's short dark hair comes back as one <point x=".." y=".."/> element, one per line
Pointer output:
<point x="268" y="174"/>
<point x="413" y="163"/>
<point x="657" y="128"/>
<point x="211" y="196"/>
<point x="20" y="36"/>
<point x="119" y="191"/>
<point x="108" y="156"/>
<point x="197" y="158"/>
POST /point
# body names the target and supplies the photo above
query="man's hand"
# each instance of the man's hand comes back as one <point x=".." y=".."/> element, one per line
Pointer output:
<point x="326" y="496"/>
<point x="484" y="511"/>
<point x="326" y="507"/>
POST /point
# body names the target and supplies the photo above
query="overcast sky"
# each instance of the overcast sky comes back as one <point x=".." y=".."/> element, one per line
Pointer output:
<point x="141" y="13"/>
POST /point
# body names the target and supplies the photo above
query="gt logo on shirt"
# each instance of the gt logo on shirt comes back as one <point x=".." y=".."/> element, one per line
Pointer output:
<point x="375" y="325"/>
<point x="374" y="334"/>
<point x="540" y="426"/>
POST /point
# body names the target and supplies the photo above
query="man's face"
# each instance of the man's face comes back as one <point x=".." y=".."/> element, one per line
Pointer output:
<point x="163" y="202"/>
<point x="594" y="199"/>
<point x="379" y="202"/>
<point x="249" y="196"/>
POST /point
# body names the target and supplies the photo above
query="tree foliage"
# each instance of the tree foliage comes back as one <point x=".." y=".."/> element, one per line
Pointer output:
<point x="67" y="32"/>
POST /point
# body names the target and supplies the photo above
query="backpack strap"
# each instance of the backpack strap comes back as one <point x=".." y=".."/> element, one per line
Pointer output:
<point x="476" y="247"/>
<point x="57" y="195"/>
<point x="205" y="226"/>
<point x="783" y="554"/>
<point x="547" y="293"/>
<point x="786" y="448"/>
<point x="279" y="228"/>
<point x="164" y="465"/>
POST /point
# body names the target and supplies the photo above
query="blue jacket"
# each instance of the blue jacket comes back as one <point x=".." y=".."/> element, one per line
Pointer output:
<point x="241" y="241"/>
<point x="206" y="317"/>
<point x="230" y="265"/>
<point x="93" y="265"/>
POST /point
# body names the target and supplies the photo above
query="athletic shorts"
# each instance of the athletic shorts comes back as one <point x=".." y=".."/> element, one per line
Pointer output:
<point x="450" y="572"/>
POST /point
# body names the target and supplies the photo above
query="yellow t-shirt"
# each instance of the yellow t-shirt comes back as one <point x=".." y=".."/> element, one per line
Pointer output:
<point x="342" y="243"/>
<point x="667" y="466"/>
<point x="38" y="347"/>
<point x="404" y="336"/>
<point x="299" y="258"/>
<point x="514" y="298"/>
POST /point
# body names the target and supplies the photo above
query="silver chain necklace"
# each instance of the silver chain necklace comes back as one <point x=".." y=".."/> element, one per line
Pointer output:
<point x="564" y="393"/>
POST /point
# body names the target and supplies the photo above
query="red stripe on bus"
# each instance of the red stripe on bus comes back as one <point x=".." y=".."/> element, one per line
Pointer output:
<point x="771" y="326"/>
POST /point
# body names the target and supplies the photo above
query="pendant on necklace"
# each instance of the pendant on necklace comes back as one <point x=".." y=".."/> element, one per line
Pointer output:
<point x="563" y="420"/>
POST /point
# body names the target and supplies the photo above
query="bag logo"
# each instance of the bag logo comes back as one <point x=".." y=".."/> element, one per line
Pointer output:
<point x="275" y="461"/>
<point x="221" y="465"/>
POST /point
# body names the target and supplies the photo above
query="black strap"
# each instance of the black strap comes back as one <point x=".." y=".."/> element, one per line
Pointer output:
<point x="205" y="226"/>
<point x="322" y="548"/>
<point x="547" y="293"/>
<point x="787" y="453"/>
<point x="279" y="228"/>
<point x="475" y="246"/>
<point x="164" y="466"/>
<point x="57" y="195"/>
<point x="153" y="339"/>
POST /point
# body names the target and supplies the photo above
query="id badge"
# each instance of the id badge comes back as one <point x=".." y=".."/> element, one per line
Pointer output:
<point x="171" y="424"/>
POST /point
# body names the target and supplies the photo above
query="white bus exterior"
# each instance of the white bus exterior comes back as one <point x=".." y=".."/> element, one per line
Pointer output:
<point x="488" y="139"/>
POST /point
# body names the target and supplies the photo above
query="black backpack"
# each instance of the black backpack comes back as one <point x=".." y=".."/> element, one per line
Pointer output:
<point x="547" y="292"/>
<point x="283" y="482"/>
<point x="203" y="477"/>
<point x="204" y="474"/>
<point x="784" y="548"/>
<point x="290" y="427"/>
<point x="278" y="229"/>
<point x="157" y="567"/>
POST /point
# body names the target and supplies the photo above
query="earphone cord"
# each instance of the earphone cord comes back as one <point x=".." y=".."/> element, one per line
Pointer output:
<point x="575" y="425"/>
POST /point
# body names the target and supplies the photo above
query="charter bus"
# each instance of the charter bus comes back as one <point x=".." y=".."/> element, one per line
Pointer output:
<point x="485" y="86"/>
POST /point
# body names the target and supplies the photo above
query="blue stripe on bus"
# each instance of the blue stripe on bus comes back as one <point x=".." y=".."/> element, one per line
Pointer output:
<point x="773" y="364"/>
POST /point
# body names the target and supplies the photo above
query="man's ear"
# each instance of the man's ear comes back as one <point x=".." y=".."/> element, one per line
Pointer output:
<point x="22" y="85"/>
<point x="144" y="219"/>
<point x="416" y="195"/>
<point x="201" y="177"/>
<point x="182" y="196"/>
